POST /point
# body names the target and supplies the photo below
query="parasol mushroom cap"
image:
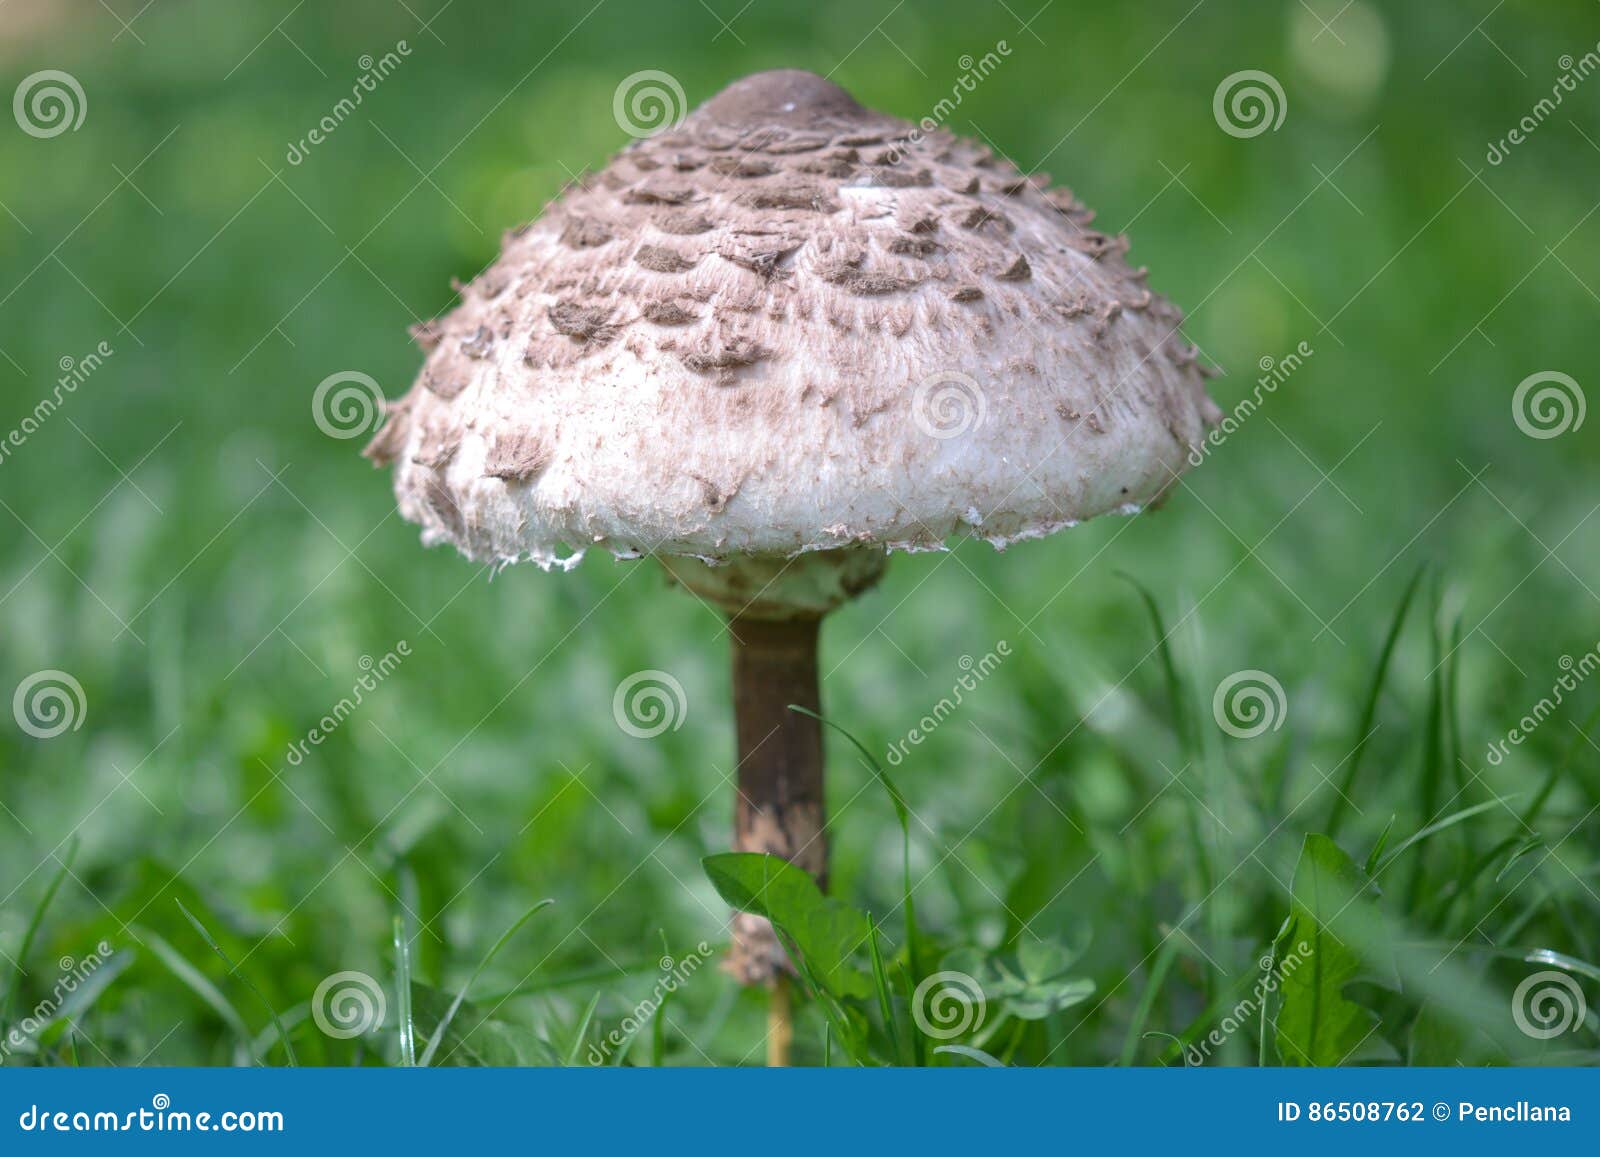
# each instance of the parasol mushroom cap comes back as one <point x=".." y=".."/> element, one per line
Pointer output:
<point x="792" y="324"/>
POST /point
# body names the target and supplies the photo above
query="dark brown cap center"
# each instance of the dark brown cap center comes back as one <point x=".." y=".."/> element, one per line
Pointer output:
<point x="782" y="96"/>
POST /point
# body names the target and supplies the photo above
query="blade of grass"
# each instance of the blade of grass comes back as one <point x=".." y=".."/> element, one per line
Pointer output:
<point x="582" y="1033"/>
<point x="1434" y="829"/>
<point x="1177" y="698"/>
<point x="880" y="980"/>
<point x="1434" y="765"/>
<point x="1549" y="785"/>
<point x="292" y="1018"/>
<point x="658" y="1033"/>
<point x="902" y="813"/>
<point x="1377" y="848"/>
<point x="1369" y="709"/>
<point x="402" y="979"/>
<point x="1188" y="744"/>
<point x="19" y="973"/>
<point x="1452" y="705"/>
<point x="1165" y="955"/>
<point x="1530" y="844"/>
<point x="1563" y="960"/>
<point x="582" y="977"/>
<point x="245" y="980"/>
<point x="971" y="1053"/>
<point x="461" y="994"/>
<point x="195" y="980"/>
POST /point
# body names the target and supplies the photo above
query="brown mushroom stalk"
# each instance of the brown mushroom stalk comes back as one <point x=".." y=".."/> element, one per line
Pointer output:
<point x="775" y="607"/>
<point x="780" y="808"/>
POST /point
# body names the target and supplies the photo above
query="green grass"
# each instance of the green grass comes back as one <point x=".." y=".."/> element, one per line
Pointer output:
<point x="1082" y="838"/>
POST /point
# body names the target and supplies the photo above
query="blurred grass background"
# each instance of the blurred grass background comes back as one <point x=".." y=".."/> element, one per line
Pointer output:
<point x="185" y="542"/>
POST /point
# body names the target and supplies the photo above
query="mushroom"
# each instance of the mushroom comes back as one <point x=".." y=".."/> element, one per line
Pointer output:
<point x="769" y="346"/>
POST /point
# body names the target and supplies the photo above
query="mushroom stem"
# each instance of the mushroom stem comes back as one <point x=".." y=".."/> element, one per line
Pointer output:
<point x="780" y="1024"/>
<point x="780" y="804"/>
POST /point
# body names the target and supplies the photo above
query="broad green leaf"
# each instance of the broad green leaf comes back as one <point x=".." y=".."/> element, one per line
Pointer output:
<point x="902" y="813"/>
<point x="825" y="932"/>
<point x="1317" y="1023"/>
